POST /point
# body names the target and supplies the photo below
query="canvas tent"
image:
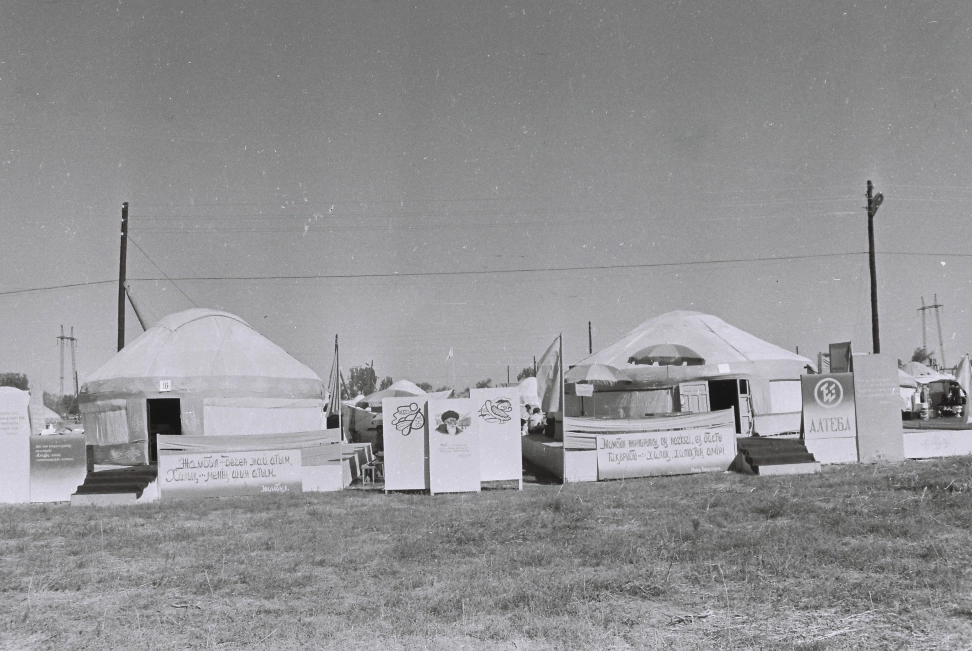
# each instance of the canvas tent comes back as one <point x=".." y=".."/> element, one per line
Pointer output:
<point x="924" y="374"/>
<point x="200" y="373"/>
<point x="398" y="389"/>
<point x="718" y="366"/>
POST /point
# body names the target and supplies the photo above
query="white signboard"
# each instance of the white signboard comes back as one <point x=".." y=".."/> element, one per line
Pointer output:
<point x="405" y="443"/>
<point x="217" y="474"/>
<point x="497" y="416"/>
<point x="453" y="446"/>
<point x="675" y="452"/>
<point x="14" y="446"/>
<point x="584" y="390"/>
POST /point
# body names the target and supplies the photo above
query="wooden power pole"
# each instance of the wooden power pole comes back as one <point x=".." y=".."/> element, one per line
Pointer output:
<point x="121" y="276"/>
<point x="873" y="203"/>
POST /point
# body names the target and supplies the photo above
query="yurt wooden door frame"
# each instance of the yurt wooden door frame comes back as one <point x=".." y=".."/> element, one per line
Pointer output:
<point x="164" y="416"/>
<point x="733" y="392"/>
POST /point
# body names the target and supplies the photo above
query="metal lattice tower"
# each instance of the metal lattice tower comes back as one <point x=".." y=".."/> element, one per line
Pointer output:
<point x="64" y="342"/>
<point x="938" y="322"/>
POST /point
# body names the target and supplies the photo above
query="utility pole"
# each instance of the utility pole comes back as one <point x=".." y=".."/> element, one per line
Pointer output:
<point x="590" y="339"/>
<point x="121" y="276"/>
<point x="873" y="203"/>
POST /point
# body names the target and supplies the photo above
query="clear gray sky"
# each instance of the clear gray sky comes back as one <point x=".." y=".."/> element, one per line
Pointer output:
<point x="482" y="176"/>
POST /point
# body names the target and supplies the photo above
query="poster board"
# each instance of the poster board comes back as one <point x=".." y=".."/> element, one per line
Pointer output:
<point x="221" y="474"/>
<point x="830" y="417"/>
<point x="405" y="440"/>
<point x="453" y="434"/>
<point x="14" y="446"/>
<point x="58" y="465"/>
<point x="706" y="447"/>
<point x="880" y="435"/>
<point x="841" y="358"/>
<point x="497" y="412"/>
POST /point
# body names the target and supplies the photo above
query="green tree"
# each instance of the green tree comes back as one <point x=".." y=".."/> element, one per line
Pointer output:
<point x="362" y="380"/>
<point x="385" y="382"/>
<point x="63" y="405"/>
<point x="528" y="371"/>
<point x="484" y="384"/>
<point x="15" y="380"/>
<point x="923" y="356"/>
<point x="425" y="386"/>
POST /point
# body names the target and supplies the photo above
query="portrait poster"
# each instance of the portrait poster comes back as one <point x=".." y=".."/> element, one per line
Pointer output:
<point x="453" y="446"/>
<point x="405" y="438"/>
<point x="497" y="414"/>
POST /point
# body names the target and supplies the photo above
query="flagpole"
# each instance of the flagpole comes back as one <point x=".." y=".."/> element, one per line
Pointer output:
<point x="337" y="389"/>
<point x="455" y="391"/>
<point x="563" y="420"/>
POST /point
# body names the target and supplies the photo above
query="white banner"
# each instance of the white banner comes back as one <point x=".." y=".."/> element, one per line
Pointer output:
<point x="497" y="416"/>
<point x="218" y="474"/>
<point x="406" y="450"/>
<point x="678" y="452"/>
<point x="14" y="446"/>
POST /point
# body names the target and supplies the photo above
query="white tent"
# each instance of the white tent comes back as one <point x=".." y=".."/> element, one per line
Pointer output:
<point x="924" y="374"/>
<point x="704" y="349"/>
<point x="398" y="389"/>
<point x="198" y="372"/>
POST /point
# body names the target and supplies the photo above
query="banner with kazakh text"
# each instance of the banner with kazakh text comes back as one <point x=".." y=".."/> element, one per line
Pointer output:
<point x="221" y="474"/>
<point x="708" y="447"/>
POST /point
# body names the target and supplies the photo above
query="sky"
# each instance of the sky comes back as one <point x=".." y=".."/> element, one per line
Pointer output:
<point x="480" y="177"/>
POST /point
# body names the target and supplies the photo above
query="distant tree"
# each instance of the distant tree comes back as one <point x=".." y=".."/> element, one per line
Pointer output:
<point x="923" y="356"/>
<point x="442" y="389"/>
<point x="63" y="405"/>
<point x="386" y="382"/>
<point x="15" y="380"/>
<point x="484" y="384"/>
<point x="425" y="386"/>
<point x="362" y="380"/>
<point x="528" y="371"/>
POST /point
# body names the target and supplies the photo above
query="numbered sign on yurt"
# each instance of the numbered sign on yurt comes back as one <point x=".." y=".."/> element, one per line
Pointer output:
<point x="453" y="446"/>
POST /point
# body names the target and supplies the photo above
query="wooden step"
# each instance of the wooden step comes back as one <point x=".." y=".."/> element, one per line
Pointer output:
<point x="116" y="481"/>
<point x="774" y="456"/>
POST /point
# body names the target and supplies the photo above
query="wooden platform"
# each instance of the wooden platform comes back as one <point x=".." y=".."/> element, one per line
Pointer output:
<point x="937" y="424"/>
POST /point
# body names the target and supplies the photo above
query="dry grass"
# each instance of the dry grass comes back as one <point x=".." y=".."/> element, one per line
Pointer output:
<point x="857" y="557"/>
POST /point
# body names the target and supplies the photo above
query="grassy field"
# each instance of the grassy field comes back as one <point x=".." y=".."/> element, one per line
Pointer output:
<point x="856" y="557"/>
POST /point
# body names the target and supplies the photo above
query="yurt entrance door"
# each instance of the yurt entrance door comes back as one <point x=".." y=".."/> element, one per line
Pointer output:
<point x="164" y="417"/>
<point x="734" y="394"/>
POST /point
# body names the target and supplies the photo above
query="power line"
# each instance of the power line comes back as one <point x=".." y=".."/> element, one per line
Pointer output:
<point x="484" y="272"/>
<point x="51" y="287"/>
<point x="160" y="270"/>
